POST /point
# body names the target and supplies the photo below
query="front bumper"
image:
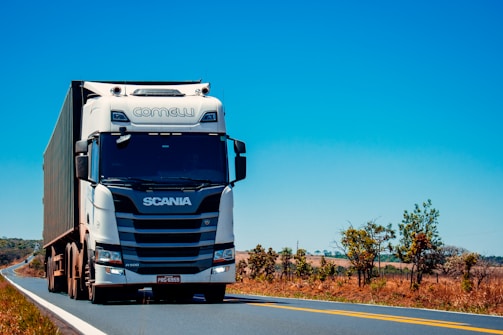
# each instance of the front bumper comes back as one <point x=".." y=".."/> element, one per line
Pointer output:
<point x="106" y="275"/>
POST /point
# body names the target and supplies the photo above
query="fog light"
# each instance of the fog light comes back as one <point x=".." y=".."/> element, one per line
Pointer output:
<point x="220" y="269"/>
<point x="114" y="271"/>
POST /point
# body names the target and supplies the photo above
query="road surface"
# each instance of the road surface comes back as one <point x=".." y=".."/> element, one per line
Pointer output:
<point x="240" y="314"/>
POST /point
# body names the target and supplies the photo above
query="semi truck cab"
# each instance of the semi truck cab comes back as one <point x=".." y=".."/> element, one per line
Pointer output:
<point x="154" y="194"/>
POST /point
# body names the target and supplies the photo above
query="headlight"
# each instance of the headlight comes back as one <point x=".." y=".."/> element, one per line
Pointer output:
<point x="223" y="255"/>
<point x="108" y="257"/>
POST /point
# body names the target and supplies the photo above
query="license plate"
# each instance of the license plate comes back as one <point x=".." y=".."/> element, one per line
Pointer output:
<point x="169" y="279"/>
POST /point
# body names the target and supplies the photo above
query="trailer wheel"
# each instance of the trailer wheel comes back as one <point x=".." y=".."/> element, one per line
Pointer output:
<point x="56" y="283"/>
<point x="215" y="294"/>
<point x="50" y="275"/>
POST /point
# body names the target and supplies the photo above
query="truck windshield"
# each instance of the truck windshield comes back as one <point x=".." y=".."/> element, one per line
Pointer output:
<point x="178" y="159"/>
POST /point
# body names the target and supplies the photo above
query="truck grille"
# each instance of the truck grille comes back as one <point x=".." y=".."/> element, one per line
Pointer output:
<point x="153" y="244"/>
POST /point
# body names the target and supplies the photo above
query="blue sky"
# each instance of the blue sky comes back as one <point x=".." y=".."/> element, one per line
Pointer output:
<point x="351" y="110"/>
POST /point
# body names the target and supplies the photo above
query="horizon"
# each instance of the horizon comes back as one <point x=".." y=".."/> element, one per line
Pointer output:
<point x="317" y="252"/>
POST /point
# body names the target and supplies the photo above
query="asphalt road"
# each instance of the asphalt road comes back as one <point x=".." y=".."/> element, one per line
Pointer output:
<point x="244" y="315"/>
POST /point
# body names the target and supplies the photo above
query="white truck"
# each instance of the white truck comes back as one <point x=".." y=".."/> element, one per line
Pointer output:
<point x="138" y="192"/>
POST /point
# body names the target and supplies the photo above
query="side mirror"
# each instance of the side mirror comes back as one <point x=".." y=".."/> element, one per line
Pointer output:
<point x="240" y="166"/>
<point x="239" y="147"/>
<point x="81" y="147"/>
<point x="240" y="161"/>
<point x="82" y="167"/>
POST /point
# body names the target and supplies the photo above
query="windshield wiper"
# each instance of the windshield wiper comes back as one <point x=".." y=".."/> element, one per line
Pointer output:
<point x="161" y="182"/>
<point x="198" y="183"/>
<point x="125" y="181"/>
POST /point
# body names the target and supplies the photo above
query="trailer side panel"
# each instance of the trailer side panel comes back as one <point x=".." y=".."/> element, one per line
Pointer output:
<point x="60" y="184"/>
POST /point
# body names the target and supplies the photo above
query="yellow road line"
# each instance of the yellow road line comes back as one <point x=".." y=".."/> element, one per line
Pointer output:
<point x="385" y="317"/>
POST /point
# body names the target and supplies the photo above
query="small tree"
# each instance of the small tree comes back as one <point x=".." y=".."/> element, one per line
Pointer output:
<point x="483" y="270"/>
<point x="286" y="263"/>
<point x="381" y="237"/>
<point x="420" y="241"/>
<point x="360" y="249"/>
<point x="241" y="270"/>
<point x="256" y="261"/>
<point x="327" y="269"/>
<point x="469" y="261"/>
<point x="302" y="268"/>
<point x="270" y="264"/>
<point x="451" y="260"/>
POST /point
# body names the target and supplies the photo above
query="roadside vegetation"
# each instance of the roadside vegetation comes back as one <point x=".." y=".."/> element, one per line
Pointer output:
<point x="19" y="316"/>
<point x="15" y="249"/>
<point x="335" y="280"/>
<point x="428" y="274"/>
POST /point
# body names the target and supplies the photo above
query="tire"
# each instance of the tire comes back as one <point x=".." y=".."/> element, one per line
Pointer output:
<point x="50" y="275"/>
<point x="78" y="283"/>
<point x="215" y="294"/>
<point x="98" y="295"/>
<point x="56" y="284"/>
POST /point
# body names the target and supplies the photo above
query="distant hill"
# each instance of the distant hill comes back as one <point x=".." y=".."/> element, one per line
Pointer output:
<point x="494" y="259"/>
<point x="12" y="249"/>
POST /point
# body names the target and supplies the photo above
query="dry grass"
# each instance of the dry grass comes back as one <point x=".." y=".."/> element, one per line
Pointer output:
<point x="443" y="293"/>
<point x="20" y="317"/>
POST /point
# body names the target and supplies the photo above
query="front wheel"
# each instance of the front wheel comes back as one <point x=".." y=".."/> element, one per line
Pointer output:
<point x="215" y="294"/>
<point x="98" y="295"/>
<point x="79" y="281"/>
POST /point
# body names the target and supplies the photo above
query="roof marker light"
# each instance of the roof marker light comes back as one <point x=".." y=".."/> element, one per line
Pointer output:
<point x="203" y="91"/>
<point x="116" y="91"/>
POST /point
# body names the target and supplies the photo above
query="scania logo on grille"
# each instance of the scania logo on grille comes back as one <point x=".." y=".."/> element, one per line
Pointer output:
<point x="167" y="201"/>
